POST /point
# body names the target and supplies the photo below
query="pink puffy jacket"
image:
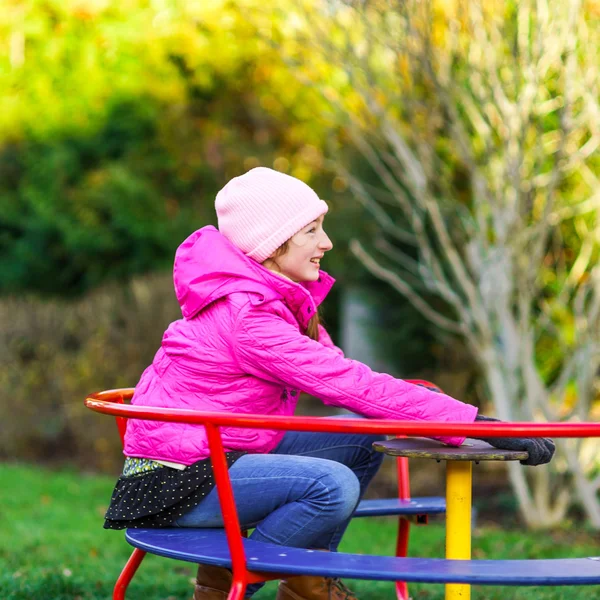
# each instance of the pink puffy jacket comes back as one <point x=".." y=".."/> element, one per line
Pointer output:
<point x="240" y="348"/>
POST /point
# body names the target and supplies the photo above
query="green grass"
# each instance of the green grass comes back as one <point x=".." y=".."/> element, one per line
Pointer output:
<point x="53" y="547"/>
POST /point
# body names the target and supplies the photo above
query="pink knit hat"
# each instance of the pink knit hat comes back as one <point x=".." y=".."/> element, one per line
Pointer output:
<point x="261" y="209"/>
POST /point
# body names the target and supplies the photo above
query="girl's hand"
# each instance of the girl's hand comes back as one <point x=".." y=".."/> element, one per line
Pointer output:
<point x="540" y="450"/>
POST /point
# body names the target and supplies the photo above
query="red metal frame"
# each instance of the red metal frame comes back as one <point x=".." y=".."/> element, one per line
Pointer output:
<point x="110" y="402"/>
<point x="241" y="575"/>
<point x="403" y="523"/>
<point x="119" y="397"/>
<point x="102" y="402"/>
<point x="127" y="573"/>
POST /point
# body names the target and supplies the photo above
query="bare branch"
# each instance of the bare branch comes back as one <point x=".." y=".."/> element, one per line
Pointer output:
<point x="394" y="280"/>
<point x="383" y="219"/>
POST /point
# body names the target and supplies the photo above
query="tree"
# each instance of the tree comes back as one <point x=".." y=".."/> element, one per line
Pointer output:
<point x="480" y="123"/>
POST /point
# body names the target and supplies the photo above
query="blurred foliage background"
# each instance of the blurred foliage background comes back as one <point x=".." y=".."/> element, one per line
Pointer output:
<point x="119" y="122"/>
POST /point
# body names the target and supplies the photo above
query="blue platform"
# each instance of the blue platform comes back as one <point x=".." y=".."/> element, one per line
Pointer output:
<point x="209" y="546"/>
<point x="427" y="505"/>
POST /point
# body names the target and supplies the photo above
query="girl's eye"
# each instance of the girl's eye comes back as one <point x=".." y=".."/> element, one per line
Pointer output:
<point x="312" y="230"/>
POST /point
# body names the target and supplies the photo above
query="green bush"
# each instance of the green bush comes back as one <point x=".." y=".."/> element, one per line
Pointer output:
<point x="80" y="210"/>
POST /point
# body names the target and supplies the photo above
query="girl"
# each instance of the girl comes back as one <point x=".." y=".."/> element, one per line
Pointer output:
<point x="249" y="342"/>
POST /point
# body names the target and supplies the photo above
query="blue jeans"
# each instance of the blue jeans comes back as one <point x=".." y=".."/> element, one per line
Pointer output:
<point x="302" y="494"/>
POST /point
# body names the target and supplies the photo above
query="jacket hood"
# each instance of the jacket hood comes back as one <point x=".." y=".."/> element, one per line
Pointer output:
<point x="209" y="267"/>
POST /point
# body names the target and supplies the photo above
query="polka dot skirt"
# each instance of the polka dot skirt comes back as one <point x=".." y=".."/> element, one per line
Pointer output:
<point x="154" y="496"/>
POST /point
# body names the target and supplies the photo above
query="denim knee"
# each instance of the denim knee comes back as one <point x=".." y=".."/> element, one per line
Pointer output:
<point x="343" y="490"/>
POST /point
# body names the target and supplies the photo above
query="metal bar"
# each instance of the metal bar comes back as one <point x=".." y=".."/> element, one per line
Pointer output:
<point x="237" y="591"/>
<point x="402" y="550"/>
<point x="403" y="478"/>
<point x="233" y="530"/>
<point x="121" y="422"/>
<point x="389" y="426"/>
<point x="131" y="566"/>
<point x="403" y="524"/>
<point x="458" y="520"/>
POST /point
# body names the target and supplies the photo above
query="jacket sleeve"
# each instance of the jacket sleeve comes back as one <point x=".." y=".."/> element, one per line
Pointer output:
<point x="325" y="339"/>
<point x="269" y="347"/>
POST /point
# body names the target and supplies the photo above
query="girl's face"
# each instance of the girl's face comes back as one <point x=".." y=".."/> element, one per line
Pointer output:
<point x="301" y="260"/>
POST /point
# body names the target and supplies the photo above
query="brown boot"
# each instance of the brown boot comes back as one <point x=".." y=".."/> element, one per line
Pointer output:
<point x="311" y="587"/>
<point x="212" y="583"/>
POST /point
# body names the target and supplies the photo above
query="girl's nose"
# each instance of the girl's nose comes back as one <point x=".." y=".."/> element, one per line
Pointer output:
<point x="325" y="244"/>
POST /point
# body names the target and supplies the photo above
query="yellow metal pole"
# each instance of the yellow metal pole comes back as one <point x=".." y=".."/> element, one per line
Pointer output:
<point x="458" y="520"/>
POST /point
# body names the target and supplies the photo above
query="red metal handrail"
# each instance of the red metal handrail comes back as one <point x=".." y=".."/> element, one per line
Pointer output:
<point x="97" y="403"/>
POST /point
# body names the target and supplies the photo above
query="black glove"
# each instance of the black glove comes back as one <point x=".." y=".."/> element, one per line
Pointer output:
<point x="540" y="450"/>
